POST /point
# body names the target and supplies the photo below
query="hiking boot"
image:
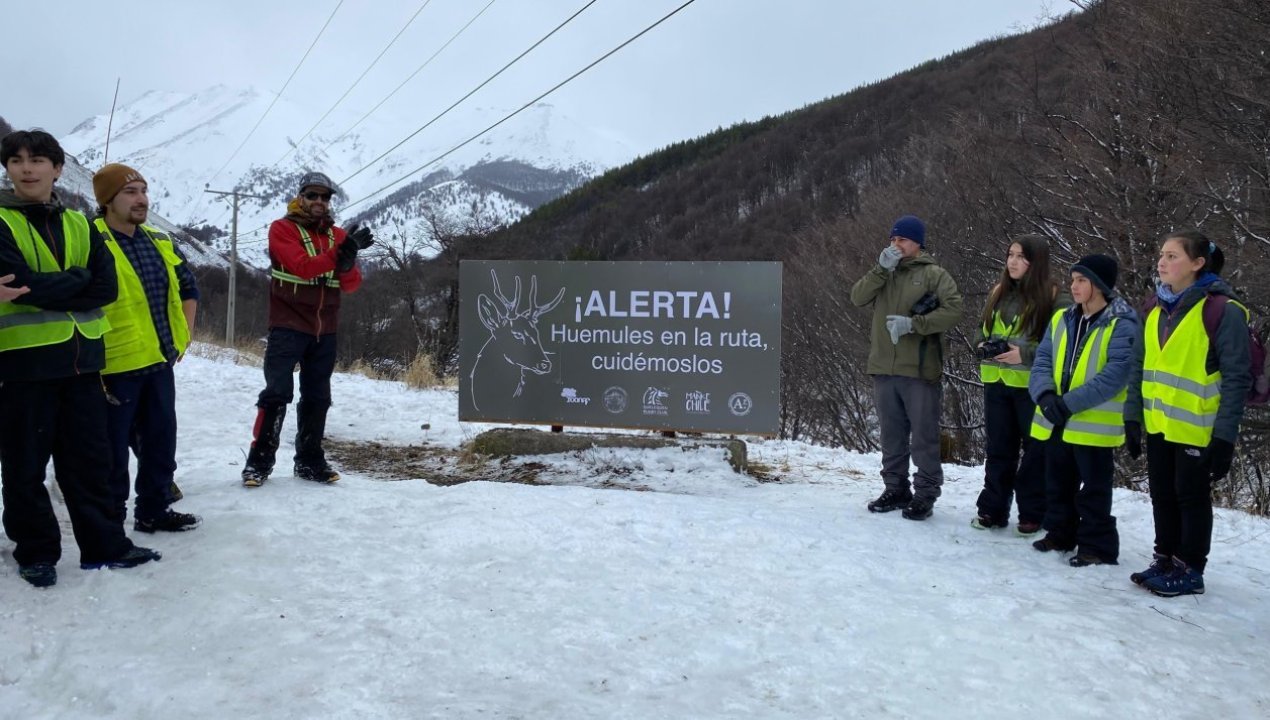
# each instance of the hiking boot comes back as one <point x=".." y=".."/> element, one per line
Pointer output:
<point x="169" y="521"/>
<point x="1049" y="543"/>
<point x="985" y="522"/>
<point x="40" y="574"/>
<point x="891" y="500"/>
<point x="1087" y="559"/>
<point x="1161" y="565"/>
<point x="1027" y="529"/>
<point x="134" y="557"/>
<point x="919" y="509"/>
<point x="316" y="472"/>
<point x="1183" y="580"/>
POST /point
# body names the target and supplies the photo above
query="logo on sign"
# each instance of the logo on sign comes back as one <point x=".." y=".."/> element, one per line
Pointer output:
<point x="740" y="404"/>
<point x="615" y="400"/>
<point x="655" y="401"/>
<point x="697" y="403"/>
<point x="570" y="396"/>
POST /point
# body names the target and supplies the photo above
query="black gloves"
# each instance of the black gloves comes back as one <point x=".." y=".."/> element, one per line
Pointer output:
<point x="1220" y="455"/>
<point x="1133" y="439"/>
<point x="345" y="256"/>
<point x="360" y="236"/>
<point x="1053" y="408"/>
<point x="355" y="238"/>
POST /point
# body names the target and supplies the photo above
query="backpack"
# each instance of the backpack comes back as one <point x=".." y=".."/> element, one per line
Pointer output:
<point x="1258" y="361"/>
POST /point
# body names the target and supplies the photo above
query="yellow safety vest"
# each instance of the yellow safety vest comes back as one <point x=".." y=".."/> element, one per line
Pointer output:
<point x="133" y="342"/>
<point x="991" y="371"/>
<point x="26" y="326"/>
<point x="1180" y="397"/>
<point x="1101" y="425"/>
<point x="327" y="278"/>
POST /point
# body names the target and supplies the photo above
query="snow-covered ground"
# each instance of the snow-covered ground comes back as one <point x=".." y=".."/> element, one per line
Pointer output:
<point x="708" y="595"/>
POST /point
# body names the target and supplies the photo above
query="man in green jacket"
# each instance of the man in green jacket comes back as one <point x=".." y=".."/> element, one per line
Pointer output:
<point x="914" y="302"/>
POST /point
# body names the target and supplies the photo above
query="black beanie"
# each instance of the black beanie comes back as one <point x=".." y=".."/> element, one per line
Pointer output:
<point x="1101" y="271"/>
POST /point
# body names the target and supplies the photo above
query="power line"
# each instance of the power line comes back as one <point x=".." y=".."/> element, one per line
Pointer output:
<point x="512" y="114"/>
<point x="280" y="92"/>
<point x="374" y="62"/>
<point x="471" y="92"/>
<point x="410" y="77"/>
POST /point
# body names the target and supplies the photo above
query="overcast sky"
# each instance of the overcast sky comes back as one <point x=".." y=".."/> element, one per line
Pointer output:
<point x="715" y="63"/>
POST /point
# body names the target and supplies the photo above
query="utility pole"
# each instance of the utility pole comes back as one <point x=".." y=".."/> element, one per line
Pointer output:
<point x="233" y="259"/>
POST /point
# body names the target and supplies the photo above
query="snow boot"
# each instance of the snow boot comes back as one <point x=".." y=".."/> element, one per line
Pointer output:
<point x="891" y="500"/>
<point x="1160" y="565"/>
<point x="264" y="445"/>
<point x="310" y="458"/>
<point x="1087" y="559"/>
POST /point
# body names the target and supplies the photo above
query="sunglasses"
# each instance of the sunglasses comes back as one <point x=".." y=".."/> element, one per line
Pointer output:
<point x="324" y="197"/>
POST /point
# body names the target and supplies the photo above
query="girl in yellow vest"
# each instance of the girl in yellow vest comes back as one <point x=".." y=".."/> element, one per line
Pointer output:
<point x="1078" y="381"/>
<point x="1016" y="315"/>
<point x="1187" y="389"/>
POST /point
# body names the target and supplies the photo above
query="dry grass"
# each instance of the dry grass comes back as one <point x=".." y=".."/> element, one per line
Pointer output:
<point x="212" y="345"/>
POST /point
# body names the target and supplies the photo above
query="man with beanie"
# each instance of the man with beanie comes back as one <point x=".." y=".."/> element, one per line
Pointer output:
<point x="51" y="355"/>
<point x="914" y="302"/>
<point x="1079" y="380"/>
<point x="150" y="328"/>
<point x="313" y="263"/>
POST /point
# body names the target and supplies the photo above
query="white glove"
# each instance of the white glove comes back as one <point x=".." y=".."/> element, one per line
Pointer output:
<point x="898" y="326"/>
<point x="890" y="258"/>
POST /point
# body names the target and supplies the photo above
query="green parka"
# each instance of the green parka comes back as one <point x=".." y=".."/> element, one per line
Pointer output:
<point x="919" y="354"/>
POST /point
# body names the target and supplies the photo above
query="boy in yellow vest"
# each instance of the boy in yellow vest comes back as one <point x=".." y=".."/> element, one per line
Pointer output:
<point x="1079" y="380"/>
<point x="51" y="355"/>
<point x="150" y="326"/>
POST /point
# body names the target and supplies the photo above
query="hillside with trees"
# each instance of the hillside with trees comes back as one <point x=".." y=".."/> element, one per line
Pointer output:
<point x="1100" y="130"/>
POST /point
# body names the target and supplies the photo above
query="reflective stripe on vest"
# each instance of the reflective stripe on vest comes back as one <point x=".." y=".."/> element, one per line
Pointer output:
<point x="327" y="278"/>
<point x="26" y="326"/>
<point x="133" y="342"/>
<point x="991" y="371"/>
<point x="1101" y="425"/>
<point x="1180" y="397"/>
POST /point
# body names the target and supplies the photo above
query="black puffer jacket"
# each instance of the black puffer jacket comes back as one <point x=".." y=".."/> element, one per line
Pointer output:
<point x="56" y="290"/>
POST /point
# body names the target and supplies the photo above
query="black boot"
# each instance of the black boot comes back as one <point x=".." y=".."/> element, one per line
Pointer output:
<point x="310" y="459"/>
<point x="264" y="445"/>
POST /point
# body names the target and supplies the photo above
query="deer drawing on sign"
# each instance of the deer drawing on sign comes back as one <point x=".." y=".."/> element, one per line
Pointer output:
<point x="513" y="347"/>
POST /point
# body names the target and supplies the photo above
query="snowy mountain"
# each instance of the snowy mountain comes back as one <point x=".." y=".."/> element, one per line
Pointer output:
<point x="183" y="142"/>
<point x="608" y="583"/>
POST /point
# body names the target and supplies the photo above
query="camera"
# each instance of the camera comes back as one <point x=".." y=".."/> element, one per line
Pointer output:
<point x="992" y="348"/>
<point x="925" y="304"/>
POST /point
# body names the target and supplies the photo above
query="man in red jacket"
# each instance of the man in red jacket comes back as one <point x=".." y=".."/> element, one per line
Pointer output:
<point x="313" y="263"/>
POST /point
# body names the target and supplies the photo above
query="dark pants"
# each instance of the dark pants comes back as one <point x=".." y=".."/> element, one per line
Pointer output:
<point x="1078" y="492"/>
<point x="1008" y="422"/>
<point x="143" y="419"/>
<point x="64" y="419"/>
<point x="1181" y="500"/>
<point x="316" y="357"/>
<point x="909" y="407"/>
